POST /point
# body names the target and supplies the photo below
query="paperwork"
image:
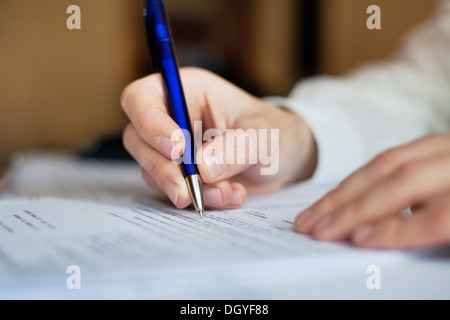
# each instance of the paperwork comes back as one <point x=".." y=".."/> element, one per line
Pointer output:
<point x="129" y="242"/>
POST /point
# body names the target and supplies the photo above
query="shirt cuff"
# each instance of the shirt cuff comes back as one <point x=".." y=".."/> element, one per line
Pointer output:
<point x="340" y="150"/>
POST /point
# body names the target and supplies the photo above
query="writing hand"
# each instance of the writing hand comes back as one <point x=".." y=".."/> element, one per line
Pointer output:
<point x="219" y="105"/>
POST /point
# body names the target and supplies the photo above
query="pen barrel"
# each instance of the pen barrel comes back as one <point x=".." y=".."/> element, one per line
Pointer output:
<point x="157" y="29"/>
<point x="176" y="102"/>
<point x="165" y="61"/>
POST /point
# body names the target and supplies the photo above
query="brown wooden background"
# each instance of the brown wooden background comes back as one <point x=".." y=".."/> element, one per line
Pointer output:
<point x="60" y="88"/>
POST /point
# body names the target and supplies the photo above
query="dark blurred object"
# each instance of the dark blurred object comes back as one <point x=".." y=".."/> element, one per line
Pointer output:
<point x="109" y="148"/>
<point x="9" y="163"/>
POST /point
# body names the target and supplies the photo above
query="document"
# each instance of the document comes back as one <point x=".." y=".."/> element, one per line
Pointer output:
<point x="125" y="241"/>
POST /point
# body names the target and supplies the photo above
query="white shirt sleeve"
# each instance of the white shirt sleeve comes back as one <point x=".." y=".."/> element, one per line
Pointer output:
<point x="380" y="105"/>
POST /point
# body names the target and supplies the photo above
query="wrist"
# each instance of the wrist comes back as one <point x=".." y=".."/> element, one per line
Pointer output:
<point x="298" y="147"/>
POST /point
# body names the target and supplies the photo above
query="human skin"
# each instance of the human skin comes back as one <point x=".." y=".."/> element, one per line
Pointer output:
<point x="219" y="105"/>
<point x="365" y="208"/>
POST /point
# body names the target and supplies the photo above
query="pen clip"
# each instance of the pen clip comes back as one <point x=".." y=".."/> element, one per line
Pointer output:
<point x="151" y="43"/>
<point x="156" y="29"/>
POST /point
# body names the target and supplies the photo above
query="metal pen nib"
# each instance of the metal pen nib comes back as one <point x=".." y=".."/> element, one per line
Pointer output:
<point x="195" y="188"/>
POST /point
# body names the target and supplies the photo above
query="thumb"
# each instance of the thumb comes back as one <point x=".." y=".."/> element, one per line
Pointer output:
<point x="227" y="153"/>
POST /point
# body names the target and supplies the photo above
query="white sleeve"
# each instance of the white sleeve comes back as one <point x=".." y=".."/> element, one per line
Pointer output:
<point x="379" y="105"/>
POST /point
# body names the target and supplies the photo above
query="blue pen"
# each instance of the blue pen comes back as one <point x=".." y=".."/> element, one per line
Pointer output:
<point x="165" y="61"/>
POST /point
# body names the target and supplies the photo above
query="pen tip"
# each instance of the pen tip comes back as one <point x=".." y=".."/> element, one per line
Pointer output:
<point x="201" y="213"/>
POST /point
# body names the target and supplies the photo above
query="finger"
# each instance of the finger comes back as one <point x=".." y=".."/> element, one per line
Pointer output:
<point x="145" y="104"/>
<point x="224" y="195"/>
<point x="429" y="227"/>
<point x="226" y="155"/>
<point x="391" y="160"/>
<point x="151" y="182"/>
<point x="359" y="182"/>
<point x="164" y="172"/>
<point x="238" y="196"/>
<point x="411" y="184"/>
<point x="253" y="147"/>
<point x="256" y="187"/>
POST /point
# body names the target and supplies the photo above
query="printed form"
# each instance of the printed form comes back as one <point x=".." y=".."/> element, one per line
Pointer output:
<point x="128" y="242"/>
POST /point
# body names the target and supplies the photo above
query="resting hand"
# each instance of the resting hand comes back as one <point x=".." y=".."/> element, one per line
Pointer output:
<point x="365" y="207"/>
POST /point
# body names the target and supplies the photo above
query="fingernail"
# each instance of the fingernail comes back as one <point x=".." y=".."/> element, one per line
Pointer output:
<point x="236" y="198"/>
<point x="324" y="222"/>
<point x="215" y="165"/>
<point x="362" y="233"/>
<point x="302" y="216"/>
<point x="213" y="196"/>
<point x="165" y="145"/>
<point x="172" y="190"/>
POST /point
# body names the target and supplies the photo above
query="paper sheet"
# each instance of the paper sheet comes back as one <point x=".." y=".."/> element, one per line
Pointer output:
<point x="129" y="242"/>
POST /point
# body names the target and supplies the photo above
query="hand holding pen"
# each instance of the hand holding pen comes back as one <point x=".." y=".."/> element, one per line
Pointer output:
<point x="219" y="105"/>
<point x="165" y="62"/>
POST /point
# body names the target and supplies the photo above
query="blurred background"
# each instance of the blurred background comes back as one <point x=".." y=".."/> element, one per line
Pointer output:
<point x="61" y="88"/>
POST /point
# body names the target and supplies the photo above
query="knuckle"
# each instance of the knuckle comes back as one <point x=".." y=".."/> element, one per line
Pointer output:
<point x="149" y="180"/>
<point x="327" y="202"/>
<point x="441" y="221"/>
<point x="191" y="69"/>
<point x="407" y="177"/>
<point x="150" y="166"/>
<point x="353" y="209"/>
<point x="126" y="94"/>
<point x="332" y="196"/>
<point x="131" y="93"/>
<point x="387" y="159"/>
<point x="194" y="71"/>
<point x="407" y="172"/>
<point x="145" y="127"/>
<point x="127" y="136"/>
